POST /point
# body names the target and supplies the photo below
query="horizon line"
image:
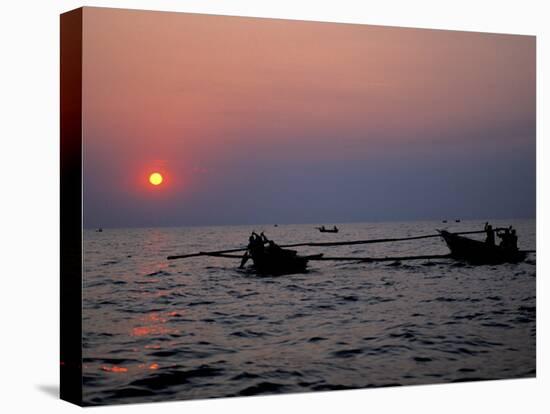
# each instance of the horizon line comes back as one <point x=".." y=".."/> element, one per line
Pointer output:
<point x="272" y="224"/>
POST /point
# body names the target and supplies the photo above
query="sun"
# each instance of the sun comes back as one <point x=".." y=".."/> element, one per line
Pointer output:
<point x="156" y="178"/>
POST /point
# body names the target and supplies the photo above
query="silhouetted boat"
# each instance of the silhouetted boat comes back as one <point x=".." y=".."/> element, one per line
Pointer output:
<point x="457" y="221"/>
<point x="271" y="258"/>
<point x="274" y="260"/>
<point x="322" y="229"/>
<point x="99" y="230"/>
<point x="478" y="252"/>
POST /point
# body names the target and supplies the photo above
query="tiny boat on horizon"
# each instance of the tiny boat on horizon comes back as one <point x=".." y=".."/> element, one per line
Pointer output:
<point x="323" y="229"/>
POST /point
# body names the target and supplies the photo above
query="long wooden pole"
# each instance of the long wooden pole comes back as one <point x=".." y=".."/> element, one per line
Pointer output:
<point x="216" y="253"/>
<point x="319" y="257"/>
<point x="349" y="243"/>
<point x="319" y="244"/>
<point x="383" y="259"/>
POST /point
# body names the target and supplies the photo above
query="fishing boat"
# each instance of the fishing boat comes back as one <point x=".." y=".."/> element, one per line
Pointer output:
<point x="270" y="258"/>
<point x="274" y="260"/>
<point x="478" y="252"/>
<point x="322" y="229"/>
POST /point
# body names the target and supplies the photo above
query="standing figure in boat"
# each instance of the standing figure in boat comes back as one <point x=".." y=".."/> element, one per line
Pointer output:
<point x="255" y="247"/>
<point x="263" y="238"/>
<point x="270" y="258"/>
<point x="490" y="239"/>
<point x="513" y="239"/>
<point x="508" y="239"/>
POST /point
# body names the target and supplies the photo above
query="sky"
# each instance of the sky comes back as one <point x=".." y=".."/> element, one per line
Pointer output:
<point x="254" y="121"/>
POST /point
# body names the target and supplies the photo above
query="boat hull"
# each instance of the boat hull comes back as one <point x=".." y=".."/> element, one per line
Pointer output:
<point x="478" y="252"/>
<point x="329" y="230"/>
<point x="279" y="262"/>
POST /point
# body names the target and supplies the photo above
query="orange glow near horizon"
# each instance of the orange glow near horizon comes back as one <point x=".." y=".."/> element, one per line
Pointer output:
<point x="156" y="178"/>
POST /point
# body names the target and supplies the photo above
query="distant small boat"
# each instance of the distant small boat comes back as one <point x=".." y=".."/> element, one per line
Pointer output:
<point x="322" y="229"/>
<point x="457" y="221"/>
<point x="444" y="221"/>
<point x="478" y="252"/>
<point x="99" y="230"/>
<point x="275" y="225"/>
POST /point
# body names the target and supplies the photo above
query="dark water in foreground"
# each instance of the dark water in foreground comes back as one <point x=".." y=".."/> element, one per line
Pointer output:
<point x="200" y="328"/>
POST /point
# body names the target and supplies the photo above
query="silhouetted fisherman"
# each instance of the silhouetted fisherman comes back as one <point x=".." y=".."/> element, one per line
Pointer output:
<point x="263" y="238"/>
<point x="513" y="240"/>
<point x="509" y="239"/>
<point x="276" y="250"/>
<point x="273" y="247"/>
<point x="255" y="247"/>
<point x="490" y="239"/>
<point x="251" y="239"/>
<point x="503" y="235"/>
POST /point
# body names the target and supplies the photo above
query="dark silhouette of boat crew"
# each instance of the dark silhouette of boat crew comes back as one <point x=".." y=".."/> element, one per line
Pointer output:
<point x="508" y="239"/>
<point x="255" y="247"/>
<point x="270" y="258"/>
<point x="490" y="239"/>
<point x="263" y="238"/>
<point x="513" y="239"/>
<point x="487" y="252"/>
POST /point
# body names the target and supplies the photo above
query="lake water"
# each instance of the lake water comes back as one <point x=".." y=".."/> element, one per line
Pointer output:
<point x="155" y="329"/>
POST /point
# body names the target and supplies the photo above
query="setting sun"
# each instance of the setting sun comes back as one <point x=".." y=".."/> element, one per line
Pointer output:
<point x="155" y="178"/>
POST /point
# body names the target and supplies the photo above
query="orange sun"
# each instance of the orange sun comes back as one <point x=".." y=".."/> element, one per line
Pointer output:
<point x="155" y="178"/>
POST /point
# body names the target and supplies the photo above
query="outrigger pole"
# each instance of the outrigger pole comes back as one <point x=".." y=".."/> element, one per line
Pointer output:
<point x="223" y="253"/>
<point x="383" y="259"/>
<point x="349" y="243"/>
<point x="320" y="257"/>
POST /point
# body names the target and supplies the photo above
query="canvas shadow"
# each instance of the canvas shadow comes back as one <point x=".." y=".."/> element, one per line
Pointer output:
<point x="50" y="389"/>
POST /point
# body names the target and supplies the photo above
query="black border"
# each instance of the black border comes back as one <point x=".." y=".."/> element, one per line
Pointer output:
<point x="71" y="206"/>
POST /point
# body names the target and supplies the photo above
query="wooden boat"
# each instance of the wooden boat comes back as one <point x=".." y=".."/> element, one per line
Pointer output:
<point x="273" y="260"/>
<point x="325" y="230"/>
<point x="478" y="252"/>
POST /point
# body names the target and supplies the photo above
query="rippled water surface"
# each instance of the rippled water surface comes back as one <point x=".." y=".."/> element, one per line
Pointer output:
<point x="200" y="328"/>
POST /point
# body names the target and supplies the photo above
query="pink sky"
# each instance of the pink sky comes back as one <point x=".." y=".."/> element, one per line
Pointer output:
<point x="199" y="96"/>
